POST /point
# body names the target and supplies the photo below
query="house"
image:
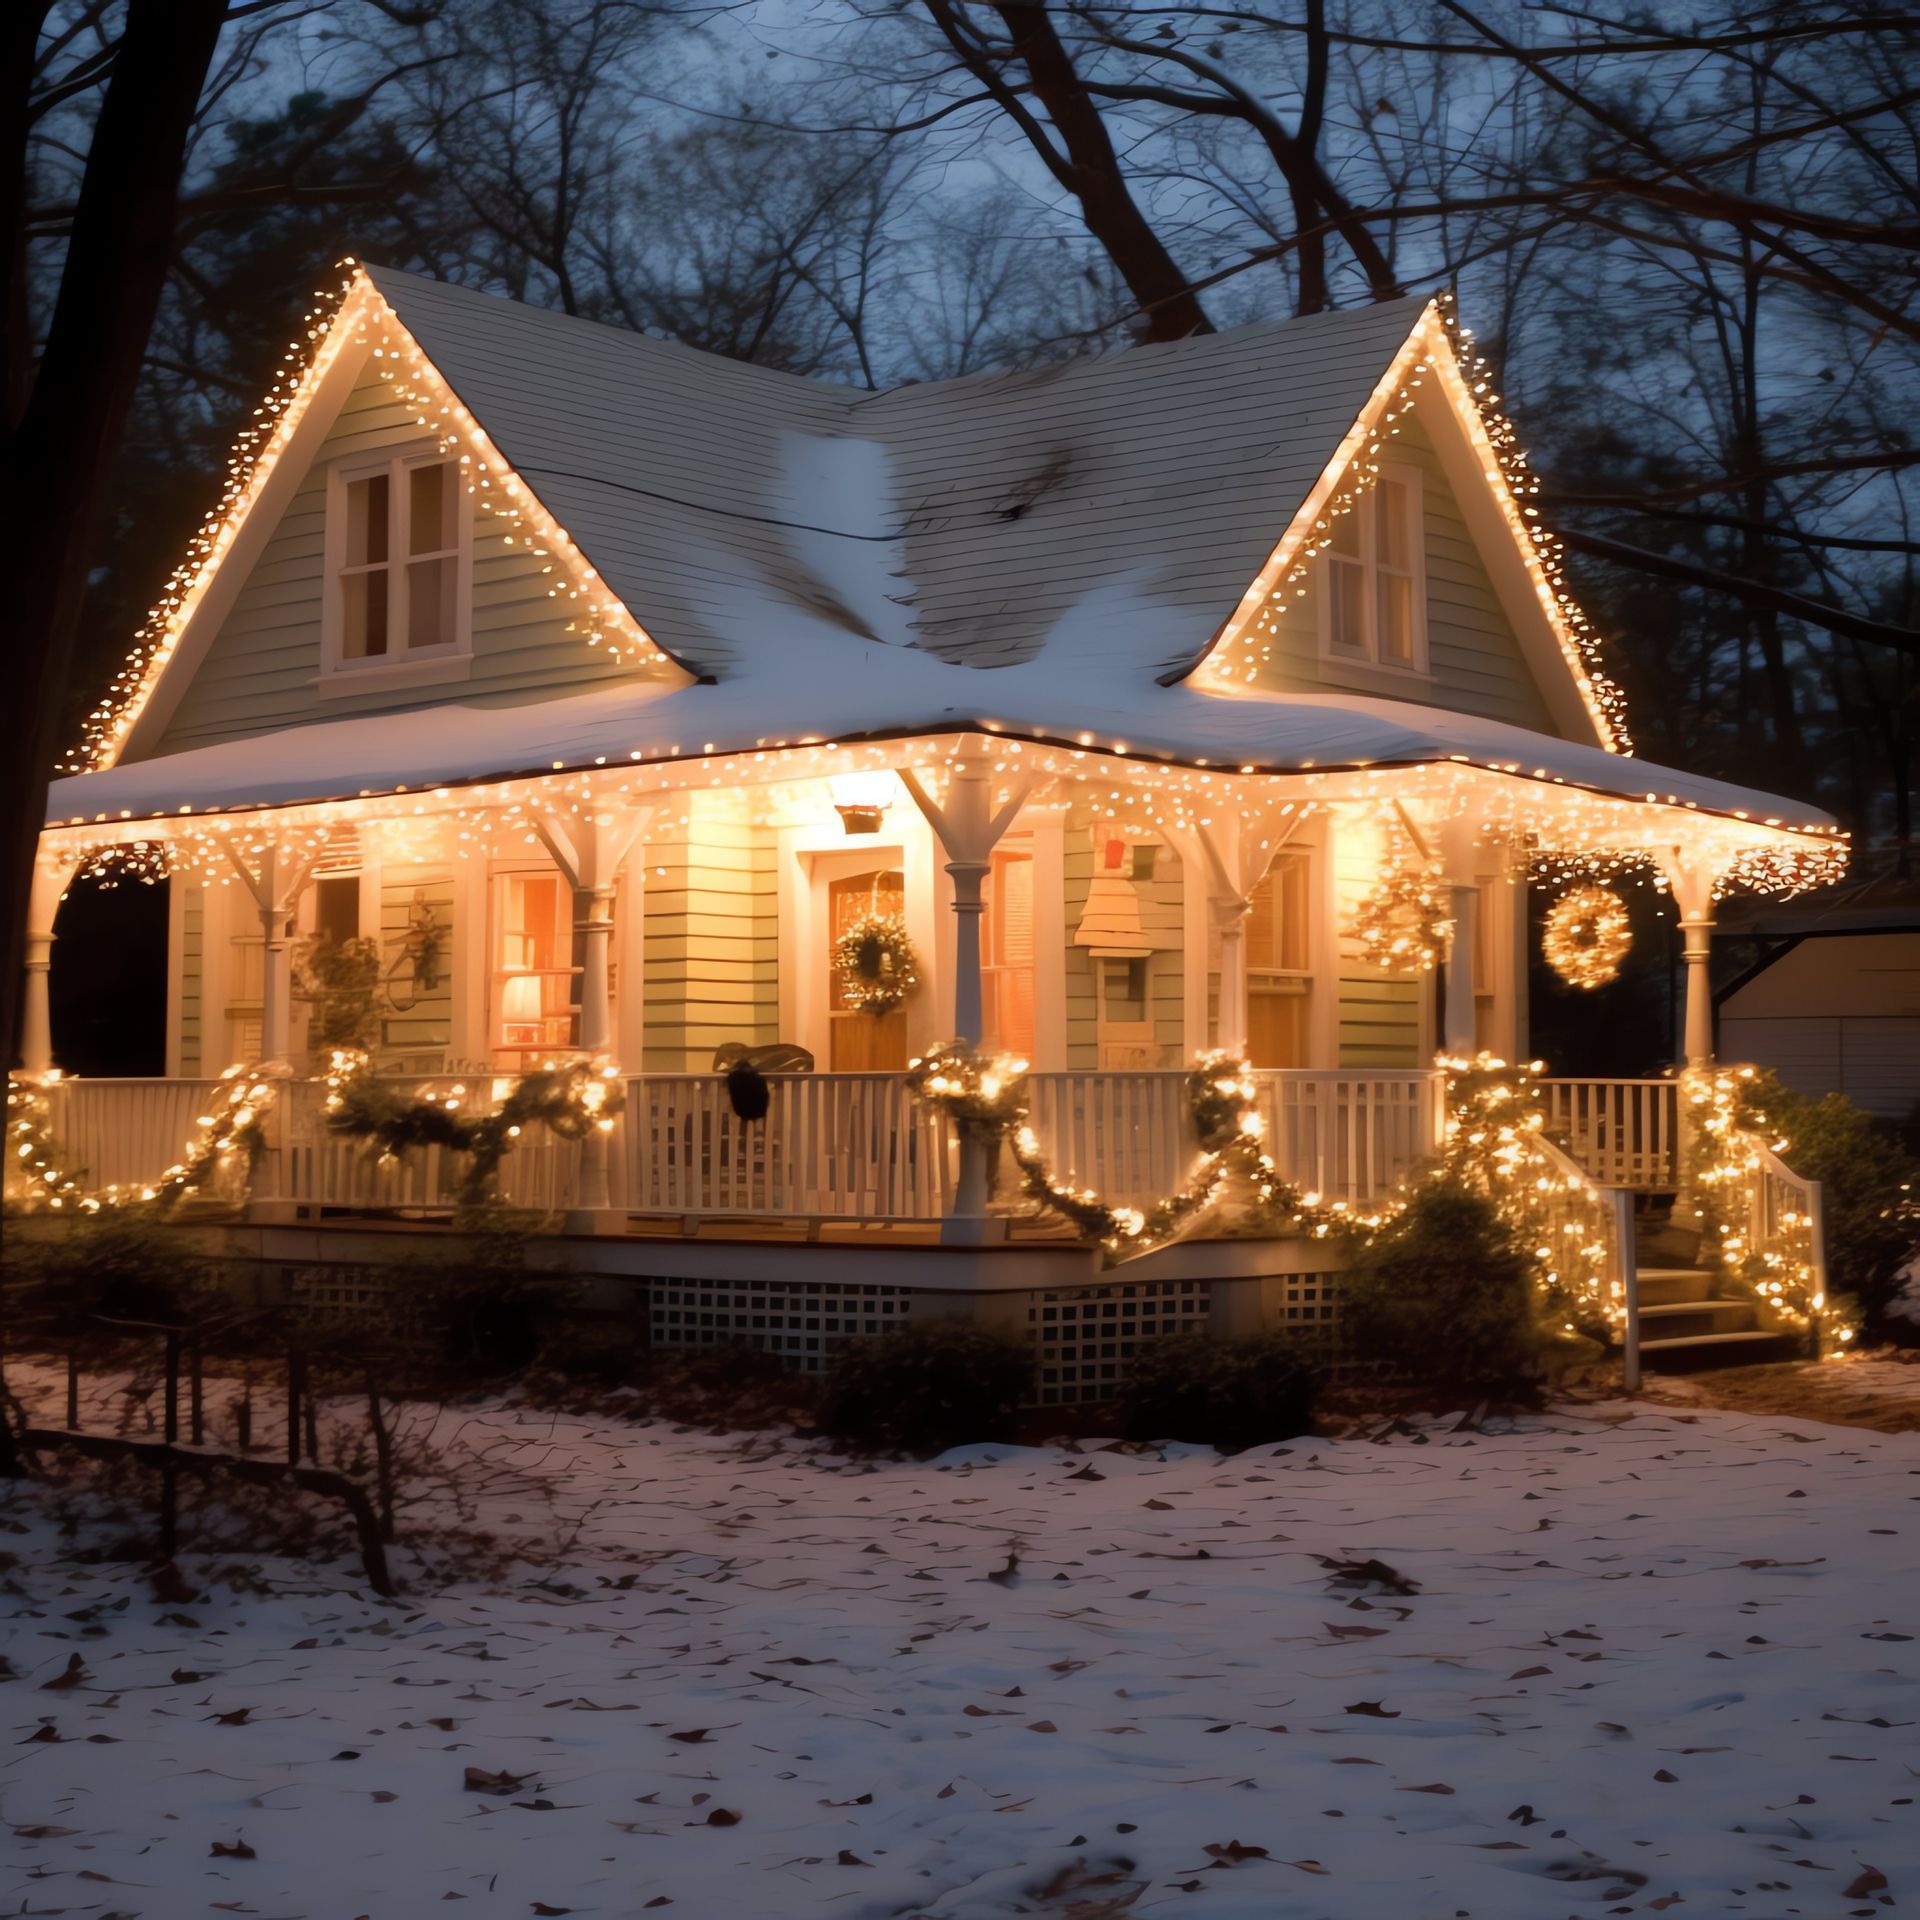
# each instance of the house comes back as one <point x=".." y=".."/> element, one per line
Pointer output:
<point x="1831" y="999"/>
<point x="1221" y="694"/>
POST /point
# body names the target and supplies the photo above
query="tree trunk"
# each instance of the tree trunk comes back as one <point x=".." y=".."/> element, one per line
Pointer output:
<point x="1097" y="180"/>
<point x="58" y="458"/>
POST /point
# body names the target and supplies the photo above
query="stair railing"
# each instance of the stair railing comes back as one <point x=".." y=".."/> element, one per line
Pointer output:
<point x="1786" y="1225"/>
<point x="1586" y="1237"/>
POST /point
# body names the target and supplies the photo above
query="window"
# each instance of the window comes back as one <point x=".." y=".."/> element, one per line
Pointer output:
<point x="1279" y="963"/>
<point x="336" y="908"/>
<point x="397" y="586"/>
<point x="1375" y="584"/>
<point x="533" y="967"/>
<point x="1006" y="960"/>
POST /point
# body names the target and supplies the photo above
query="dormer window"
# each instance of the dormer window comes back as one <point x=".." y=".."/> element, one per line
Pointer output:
<point x="1375" y="609"/>
<point x="397" y="571"/>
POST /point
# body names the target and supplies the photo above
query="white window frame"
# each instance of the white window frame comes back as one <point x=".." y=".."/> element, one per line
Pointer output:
<point x="415" y="666"/>
<point x="1372" y="660"/>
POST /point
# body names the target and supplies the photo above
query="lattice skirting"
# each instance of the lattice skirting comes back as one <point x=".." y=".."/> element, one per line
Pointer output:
<point x="805" y="1322"/>
<point x="1085" y="1338"/>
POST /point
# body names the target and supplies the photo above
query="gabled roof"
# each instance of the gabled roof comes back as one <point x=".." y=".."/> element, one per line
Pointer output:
<point x="965" y="517"/>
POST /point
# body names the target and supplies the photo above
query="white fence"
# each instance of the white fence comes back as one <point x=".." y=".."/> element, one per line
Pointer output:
<point x="1624" y="1133"/>
<point x="859" y="1146"/>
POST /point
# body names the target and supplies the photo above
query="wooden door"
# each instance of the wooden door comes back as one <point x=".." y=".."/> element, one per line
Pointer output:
<point x="862" y="1042"/>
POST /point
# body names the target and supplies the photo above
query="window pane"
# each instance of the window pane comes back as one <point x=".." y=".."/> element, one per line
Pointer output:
<point x="1346" y="582"/>
<point x="1396" y="618"/>
<point x="1346" y="535"/>
<point x="429" y="603"/>
<point x="430" y="508"/>
<point x="365" y="597"/>
<point x="367" y="521"/>
<point x="1393" y="526"/>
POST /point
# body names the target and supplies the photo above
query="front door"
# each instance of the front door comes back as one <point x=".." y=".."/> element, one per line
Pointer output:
<point x="862" y="1042"/>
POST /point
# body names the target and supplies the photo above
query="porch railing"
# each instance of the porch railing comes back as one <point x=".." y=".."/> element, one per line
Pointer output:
<point x="125" y="1133"/>
<point x="1624" y="1133"/>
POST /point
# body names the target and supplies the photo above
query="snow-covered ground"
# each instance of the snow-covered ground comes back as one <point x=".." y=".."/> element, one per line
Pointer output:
<point x="1656" y="1662"/>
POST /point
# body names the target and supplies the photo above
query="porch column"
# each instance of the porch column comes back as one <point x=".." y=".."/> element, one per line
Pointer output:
<point x="1459" y="1027"/>
<point x="1459" y="1030"/>
<point x="588" y="853"/>
<point x="36" y="1017"/>
<point x="276" y="973"/>
<point x="1230" y="911"/>
<point x="276" y="890"/>
<point x="1692" y="887"/>
<point x="968" y="829"/>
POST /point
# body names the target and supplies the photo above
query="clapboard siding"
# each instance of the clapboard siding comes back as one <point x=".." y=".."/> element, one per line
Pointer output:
<point x="711" y="959"/>
<point x="1476" y="663"/>
<point x="258" y="674"/>
<point x="1379" y="1013"/>
<point x="1162" y="916"/>
<point x="426" y="1027"/>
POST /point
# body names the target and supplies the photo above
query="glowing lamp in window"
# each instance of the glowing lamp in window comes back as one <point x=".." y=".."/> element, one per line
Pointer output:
<point x="520" y="1010"/>
<point x="861" y="800"/>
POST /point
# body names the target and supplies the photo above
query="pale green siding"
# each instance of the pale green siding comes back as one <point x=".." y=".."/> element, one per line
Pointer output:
<point x="1379" y="1017"/>
<point x="1162" y="917"/>
<point x="712" y="946"/>
<point x="258" y="673"/>
<point x="426" y="1027"/>
<point x="1476" y="663"/>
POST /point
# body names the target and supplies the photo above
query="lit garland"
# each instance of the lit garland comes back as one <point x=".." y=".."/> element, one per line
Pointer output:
<point x="1726" y="1161"/>
<point x="1586" y="936"/>
<point x="874" y="963"/>
<point x="985" y="1100"/>
<point x="1494" y="1140"/>
<point x="1403" y="923"/>
<point x="40" y="1178"/>
<point x="571" y="1099"/>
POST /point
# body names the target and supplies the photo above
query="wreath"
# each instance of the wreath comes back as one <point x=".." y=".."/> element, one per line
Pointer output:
<point x="1586" y="936"/>
<point x="1403" y="925"/>
<point x="875" y="963"/>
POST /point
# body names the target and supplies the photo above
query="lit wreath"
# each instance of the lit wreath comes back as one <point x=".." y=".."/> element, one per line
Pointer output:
<point x="1586" y="936"/>
<point x="1403" y="925"/>
<point x="875" y="963"/>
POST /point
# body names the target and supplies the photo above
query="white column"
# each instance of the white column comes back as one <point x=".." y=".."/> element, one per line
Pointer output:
<point x="36" y="1014"/>
<point x="1692" y="884"/>
<point x="276" y="971"/>
<point x="1458" y="1026"/>
<point x="1230" y="917"/>
<point x="968" y="829"/>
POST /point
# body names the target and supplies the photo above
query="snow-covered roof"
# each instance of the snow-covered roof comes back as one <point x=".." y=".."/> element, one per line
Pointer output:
<point x="1082" y="689"/>
<point x="962" y="516"/>
<point x="838" y="565"/>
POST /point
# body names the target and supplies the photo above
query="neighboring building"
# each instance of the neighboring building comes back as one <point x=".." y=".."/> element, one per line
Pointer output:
<point x="1832" y="1002"/>
<point x="604" y="684"/>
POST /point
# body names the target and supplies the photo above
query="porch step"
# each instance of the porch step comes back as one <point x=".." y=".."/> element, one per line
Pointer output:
<point x="1697" y="1352"/>
<point x="1662" y="1286"/>
<point x="1699" y="1318"/>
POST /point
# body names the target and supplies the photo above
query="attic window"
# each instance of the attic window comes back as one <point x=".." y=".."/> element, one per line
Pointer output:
<point x="1375" y="605"/>
<point x="397" y="586"/>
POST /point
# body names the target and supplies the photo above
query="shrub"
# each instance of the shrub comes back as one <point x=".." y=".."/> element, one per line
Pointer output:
<point x="925" y="1388"/>
<point x="1870" y="1195"/>
<point x="1228" y="1394"/>
<point x="1443" y="1294"/>
<point x="111" y="1265"/>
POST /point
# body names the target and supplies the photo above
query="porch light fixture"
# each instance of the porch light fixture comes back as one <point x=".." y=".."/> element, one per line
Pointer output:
<point x="861" y="799"/>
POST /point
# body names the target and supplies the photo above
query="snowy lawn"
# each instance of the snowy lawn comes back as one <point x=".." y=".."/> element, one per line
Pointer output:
<point x="1618" y="1663"/>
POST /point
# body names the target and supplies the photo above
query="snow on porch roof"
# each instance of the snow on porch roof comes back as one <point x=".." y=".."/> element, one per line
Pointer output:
<point x="832" y="687"/>
<point x="962" y="517"/>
